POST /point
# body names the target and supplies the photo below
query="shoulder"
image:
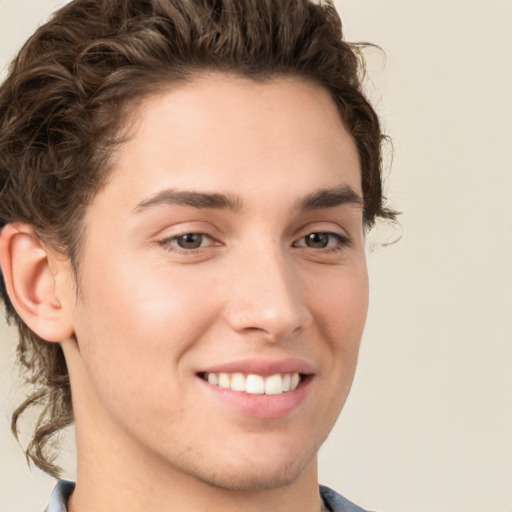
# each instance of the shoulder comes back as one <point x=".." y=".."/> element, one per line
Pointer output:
<point x="336" y="502"/>
<point x="60" y="496"/>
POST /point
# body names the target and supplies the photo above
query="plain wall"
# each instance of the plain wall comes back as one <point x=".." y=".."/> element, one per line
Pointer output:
<point x="428" y="426"/>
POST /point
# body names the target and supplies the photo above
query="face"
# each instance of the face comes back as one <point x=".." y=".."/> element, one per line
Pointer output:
<point x="223" y="283"/>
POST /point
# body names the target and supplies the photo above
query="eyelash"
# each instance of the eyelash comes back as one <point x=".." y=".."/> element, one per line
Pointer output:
<point x="170" y="243"/>
<point x="341" y="242"/>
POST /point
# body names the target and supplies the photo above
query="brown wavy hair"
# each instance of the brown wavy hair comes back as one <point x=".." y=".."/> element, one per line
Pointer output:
<point x="67" y="96"/>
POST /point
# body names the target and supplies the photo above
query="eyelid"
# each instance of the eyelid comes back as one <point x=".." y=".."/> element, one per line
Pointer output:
<point x="343" y="240"/>
<point x="168" y="241"/>
<point x="330" y="225"/>
<point x="183" y="226"/>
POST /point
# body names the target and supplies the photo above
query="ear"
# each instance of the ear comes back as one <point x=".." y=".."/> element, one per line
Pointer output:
<point x="30" y="272"/>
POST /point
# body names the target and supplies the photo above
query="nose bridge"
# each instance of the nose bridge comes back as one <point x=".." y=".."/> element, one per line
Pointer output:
<point x="264" y="294"/>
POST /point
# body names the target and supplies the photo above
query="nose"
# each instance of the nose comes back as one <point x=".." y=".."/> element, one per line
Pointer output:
<point x="265" y="298"/>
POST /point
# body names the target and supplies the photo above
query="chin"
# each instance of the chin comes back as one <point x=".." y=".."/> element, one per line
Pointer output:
<point x="261" y="474"/>
<point x="252" y="480"/>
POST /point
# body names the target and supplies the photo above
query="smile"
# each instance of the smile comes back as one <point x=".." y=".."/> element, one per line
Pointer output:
<point x="254" y="384"/>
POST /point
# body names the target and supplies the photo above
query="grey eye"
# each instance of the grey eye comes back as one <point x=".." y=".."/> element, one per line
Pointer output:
<point x="190" y="240"/>
<point x="323" y="240"/>
<point x="317" y="240"/>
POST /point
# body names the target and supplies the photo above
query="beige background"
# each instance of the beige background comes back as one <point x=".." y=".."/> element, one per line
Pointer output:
<point x="428" y="426"/>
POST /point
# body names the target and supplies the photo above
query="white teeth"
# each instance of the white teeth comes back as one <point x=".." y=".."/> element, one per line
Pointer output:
<point x="213" y="378"/>
<point x="294" y="381"/>
<point x="286" y="382"/>
<point x="273" y="385"/>
<point x="224" y="381"/>
<point x="255" y="384"/>
<point x="238" y="382"/>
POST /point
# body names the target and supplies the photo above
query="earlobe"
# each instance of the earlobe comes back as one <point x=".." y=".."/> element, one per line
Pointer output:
<point x="30" y="279"/>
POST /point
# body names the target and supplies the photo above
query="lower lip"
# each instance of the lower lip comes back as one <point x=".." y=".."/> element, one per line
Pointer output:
<point x="261" y="406"/>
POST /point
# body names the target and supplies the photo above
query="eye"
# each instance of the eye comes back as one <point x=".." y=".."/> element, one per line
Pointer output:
<point x="323" y="240"/>
<point x="188" y="241"/>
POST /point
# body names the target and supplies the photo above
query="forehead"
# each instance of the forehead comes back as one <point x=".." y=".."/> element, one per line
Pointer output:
<point x="238" y="136"/>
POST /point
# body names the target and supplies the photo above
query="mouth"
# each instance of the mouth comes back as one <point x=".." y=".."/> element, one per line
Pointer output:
<point x="259" y="388"/>
<point x="254" y="384"/>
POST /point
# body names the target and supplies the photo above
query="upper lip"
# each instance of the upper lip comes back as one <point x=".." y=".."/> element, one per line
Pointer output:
<point x="264" y="367"/>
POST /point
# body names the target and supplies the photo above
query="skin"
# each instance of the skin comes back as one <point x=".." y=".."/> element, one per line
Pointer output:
<point x="150" y="314"/>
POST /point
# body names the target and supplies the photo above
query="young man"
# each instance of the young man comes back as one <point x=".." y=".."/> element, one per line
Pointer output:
<point x="185" y="191"/>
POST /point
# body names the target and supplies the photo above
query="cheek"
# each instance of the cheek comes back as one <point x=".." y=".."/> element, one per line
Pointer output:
<point x="141" y="324"/>
<point x="138" y="298"/>
<point x="340" y="305"/>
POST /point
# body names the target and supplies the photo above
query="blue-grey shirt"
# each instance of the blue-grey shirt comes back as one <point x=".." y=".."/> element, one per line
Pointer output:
<point x="333" y="501"/>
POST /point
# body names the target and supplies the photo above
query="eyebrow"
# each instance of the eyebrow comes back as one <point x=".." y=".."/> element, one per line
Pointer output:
<point x="330" y="198"/>
<point x="204" y="200"/>
<point x="323" y="198"/>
